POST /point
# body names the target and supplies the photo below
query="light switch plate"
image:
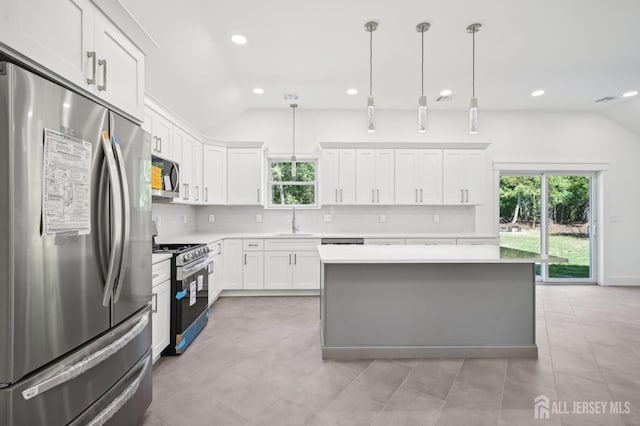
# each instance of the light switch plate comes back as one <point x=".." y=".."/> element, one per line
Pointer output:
<point x="436" y="218"/>
<point x="212" y="218"/>
<point x="383" y="218"/>
<point x="328" y="218"/>
<point x="258" y="218"/>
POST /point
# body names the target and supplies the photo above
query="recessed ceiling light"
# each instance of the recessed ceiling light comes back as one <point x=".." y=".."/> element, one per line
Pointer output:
<point x="537" y="93"/>
<point x="239" y="39"/>
<point x="629" y="94"/>
<point x="258" y="91"/>
<point x="446" y="92"/>
<point x="352" y="92"/>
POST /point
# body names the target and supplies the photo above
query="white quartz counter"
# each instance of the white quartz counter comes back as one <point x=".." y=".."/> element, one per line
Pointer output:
<point x="429" y="254"/>
<point x="206" y="238"/>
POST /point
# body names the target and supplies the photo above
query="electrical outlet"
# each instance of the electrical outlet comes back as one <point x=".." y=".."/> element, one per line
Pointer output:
<point x="258" y="218"/>
<point x="436" y="218"/>
<point x="158" y="221"/>
<point x="383" y="218"/>
<point x="185" y="219"/>
<point x="328" y="218"/>
<point x="212" y="218"/>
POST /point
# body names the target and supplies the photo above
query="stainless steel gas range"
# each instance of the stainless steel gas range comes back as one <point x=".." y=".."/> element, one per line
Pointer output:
<point x="190" y="267"/>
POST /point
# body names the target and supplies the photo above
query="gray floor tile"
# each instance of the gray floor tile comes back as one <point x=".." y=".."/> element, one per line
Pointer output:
<point x="380" y="380"/>
<point x="433" y="376"/>
<point x="409" y="407"/>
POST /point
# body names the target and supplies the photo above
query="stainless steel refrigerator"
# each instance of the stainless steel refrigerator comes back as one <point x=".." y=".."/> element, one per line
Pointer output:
<point x="75" y="258"/>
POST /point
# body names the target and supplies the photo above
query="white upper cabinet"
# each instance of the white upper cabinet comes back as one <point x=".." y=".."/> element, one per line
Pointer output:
<point x="120" y="69"/>
<point x="375" y="176"/>
<point x="185" y="145"/>
<point x="244" y="176"/>
<point x="74" y="40"/>
<point x="214" y="182"/>
<point x="56" y="34"/>
<point x="338" y="176"/>
<point x="462" y="176"/>
<point x="418" y="176"/>
<point x="161" y="131"/>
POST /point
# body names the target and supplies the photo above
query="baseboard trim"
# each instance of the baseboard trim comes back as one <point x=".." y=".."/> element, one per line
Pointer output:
<point x="270" y="292"/>
<point x="377" y="352"/>
<point x="623" y="280"/>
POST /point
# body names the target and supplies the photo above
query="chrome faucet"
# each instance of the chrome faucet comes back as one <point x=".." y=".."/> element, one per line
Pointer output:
<point x="294" y="225"/>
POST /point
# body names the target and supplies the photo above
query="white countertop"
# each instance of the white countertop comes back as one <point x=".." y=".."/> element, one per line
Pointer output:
<point x="159" y="257"/>
<point x="445" y="253"/>
<point x="206" y="238"/>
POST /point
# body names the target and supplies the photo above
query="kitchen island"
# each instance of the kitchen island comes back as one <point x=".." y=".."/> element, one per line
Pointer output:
<point x="434" y="301"/>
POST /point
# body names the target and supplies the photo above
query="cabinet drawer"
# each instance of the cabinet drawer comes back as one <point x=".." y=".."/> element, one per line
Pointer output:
<point x="291" y="244"/>
<point x="429" y="241"/>
<point x="160" y="272"/>
<point x="252" y="245"/>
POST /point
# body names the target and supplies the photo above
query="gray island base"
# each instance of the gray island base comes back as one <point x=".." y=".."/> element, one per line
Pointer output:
<point x="428" y="302"/>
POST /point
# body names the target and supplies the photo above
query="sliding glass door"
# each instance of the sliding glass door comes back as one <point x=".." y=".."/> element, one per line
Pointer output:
<point x="550" y="213"/>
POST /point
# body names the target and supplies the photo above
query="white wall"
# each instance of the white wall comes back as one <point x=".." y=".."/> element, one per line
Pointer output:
<point x="514" y="136"/>
<point x="172" y="220"/>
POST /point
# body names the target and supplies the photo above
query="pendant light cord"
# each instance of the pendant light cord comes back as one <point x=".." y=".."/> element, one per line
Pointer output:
<point x="371" y="63"/>
<point x="473" y="61"/>
<point x="294" y="131"/>
<point x="422" y="66"/>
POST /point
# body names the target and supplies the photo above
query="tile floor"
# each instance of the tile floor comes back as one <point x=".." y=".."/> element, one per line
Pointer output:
<point x="258" y="362"/>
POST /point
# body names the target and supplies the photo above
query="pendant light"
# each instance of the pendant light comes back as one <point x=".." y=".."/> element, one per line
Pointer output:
<point x="293" y="148"/>
<point x="422" y="100"/>
<point x="473" y="105"/>
<point x="370" y="27"/>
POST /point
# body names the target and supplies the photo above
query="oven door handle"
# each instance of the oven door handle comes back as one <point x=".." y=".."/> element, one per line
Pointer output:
<point x="186" y="270"/>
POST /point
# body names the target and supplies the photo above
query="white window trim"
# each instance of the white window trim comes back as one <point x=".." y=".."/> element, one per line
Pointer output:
<point x="284" y="158"/>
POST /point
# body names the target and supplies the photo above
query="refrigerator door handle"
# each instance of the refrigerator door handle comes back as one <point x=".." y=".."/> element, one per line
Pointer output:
<point x="126" y="211"/>
<point x="87" y="363"/>
<point x="116" y="247"/>
<point x="121" y="400"/>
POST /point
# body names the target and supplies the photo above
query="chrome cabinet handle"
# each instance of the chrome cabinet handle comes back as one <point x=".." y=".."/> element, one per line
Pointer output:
<point x="336" y="195"/>
<point x="462" y="195"/>
<point x="245" y="258"/>
<point x="258" y="195"/>
<point x="197" y="193"/>
<point x="206" y="195"/>
<point x="160" y="140"/>
<point x="378" y="194"/>
<point x="416" y="195"/>
<point x="184" y="197"/>
<point x="289" y="258"/>
<point x="340" y="194"/>
<point x="253" y="245"/>
<point x="373" y="200"/>
<point x="155" y="300"/>
<point x="103" y="88"/>
<point x="420" y="195"/>
<point x="92" y="55"/>
<point x="295" y="258"/>
<point x="467" y="195"/>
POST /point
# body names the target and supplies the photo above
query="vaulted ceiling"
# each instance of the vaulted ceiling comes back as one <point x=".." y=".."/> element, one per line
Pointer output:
<point x="578" y="51"/>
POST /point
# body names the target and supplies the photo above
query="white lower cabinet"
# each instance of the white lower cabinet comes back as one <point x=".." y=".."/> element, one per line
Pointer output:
<point x="161" y="307"/>
<point x="294" y="264"/>
<point x="232" y="264"/>
<point x="253" y="270"/>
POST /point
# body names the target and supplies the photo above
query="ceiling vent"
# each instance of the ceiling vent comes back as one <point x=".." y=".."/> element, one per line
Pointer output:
<point x="290" y="96"/>
<point x="605" y="99"/>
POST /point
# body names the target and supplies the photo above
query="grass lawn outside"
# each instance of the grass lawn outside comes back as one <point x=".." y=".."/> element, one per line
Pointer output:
<point x="574" y="248"/>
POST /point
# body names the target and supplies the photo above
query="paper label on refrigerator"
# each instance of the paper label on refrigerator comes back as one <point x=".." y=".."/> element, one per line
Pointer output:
<point x="192" y="293"/>
<point x="66" y="187"/>
<point x="200" y="282"/>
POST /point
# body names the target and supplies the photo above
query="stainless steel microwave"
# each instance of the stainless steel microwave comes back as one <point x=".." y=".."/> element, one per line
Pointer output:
<point x="169" y="185"/>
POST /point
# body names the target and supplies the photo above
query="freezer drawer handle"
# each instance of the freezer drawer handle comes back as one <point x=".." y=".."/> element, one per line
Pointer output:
<point x="122" y="399"/>
<point x="181" y="294"/>
<point x="87" y="363"/>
